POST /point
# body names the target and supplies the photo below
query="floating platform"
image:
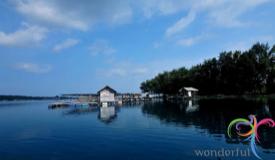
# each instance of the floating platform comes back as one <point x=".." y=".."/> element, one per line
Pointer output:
<point x="64" y="104"/>
<point x="59" y="105"/>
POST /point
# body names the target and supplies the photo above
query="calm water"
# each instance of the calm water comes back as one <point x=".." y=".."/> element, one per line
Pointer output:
<point x="153" y="131"/>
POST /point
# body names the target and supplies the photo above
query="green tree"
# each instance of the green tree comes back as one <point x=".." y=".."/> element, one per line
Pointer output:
<point x="248" y="72"/>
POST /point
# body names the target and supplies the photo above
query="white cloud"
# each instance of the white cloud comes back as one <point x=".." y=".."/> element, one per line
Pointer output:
<point x="27" y="36"/>
<point x="101" y="47"/>
<point x="244" y="45"/>
<point x="181" y="24"/>
<point x="156" y="45"/>
<point x="123" y="71"/>
<point x="219" y="13"/>
<point x="192" y="40"/>
<point x="74" y="14"/>
<point x="116" y="72"/>
<point x="68" y="43"/>
<point x="162" y="7"/>
<point x="123" y="68"/>
<point x="228" y="13"/>
<point x="240" y="46"/>
<point x="33" y="68"/>
<point x="266" y="39"/>
<point x="187" y="41"/>
<point x="82" y="15"/>
<point x="140" y="71"/>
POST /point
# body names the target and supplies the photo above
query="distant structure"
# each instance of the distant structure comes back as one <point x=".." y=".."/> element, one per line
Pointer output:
<point x="188" y="91"/>
<point x="107" y="96"/>
<point x="148" y="95"/>
<point x="88" y="97"/>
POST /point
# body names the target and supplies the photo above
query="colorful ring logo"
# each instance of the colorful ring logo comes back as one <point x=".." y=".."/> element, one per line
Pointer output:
<point x="252" y="135"/>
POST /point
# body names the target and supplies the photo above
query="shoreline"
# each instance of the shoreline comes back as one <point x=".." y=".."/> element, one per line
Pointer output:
<point x="24" y="97"/>
<point x="8" y="98"/>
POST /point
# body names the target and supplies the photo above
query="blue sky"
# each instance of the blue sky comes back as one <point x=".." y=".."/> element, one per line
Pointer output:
<point x="68" y="46"/>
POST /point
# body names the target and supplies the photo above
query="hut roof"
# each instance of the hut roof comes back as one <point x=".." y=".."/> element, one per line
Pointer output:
<point x="189" y="89"/>
<point x="107" y="88"/>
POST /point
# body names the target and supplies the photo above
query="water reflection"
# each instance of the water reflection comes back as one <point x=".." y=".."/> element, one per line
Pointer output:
<point x="107" y="114"/>
<point x="212" y="116"/>
<point x="190" y="105"/>
<point x="81" y="111"/>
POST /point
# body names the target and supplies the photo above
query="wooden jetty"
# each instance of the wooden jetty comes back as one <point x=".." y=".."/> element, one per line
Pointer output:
<point x="107" y="96"/>
<point x="59" y="104"/>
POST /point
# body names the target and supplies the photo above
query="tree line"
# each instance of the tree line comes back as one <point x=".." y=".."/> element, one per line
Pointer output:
<point x="21" y="97"/>
<point x="232" y="72"/>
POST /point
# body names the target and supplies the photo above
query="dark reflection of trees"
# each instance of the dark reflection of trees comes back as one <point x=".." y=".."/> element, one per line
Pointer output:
<point x="214" y="115"/>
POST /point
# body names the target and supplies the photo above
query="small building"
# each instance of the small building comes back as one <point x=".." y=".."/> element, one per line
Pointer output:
<point x="82" y="97"/>
<point x="130" y="97"/>
<point x="148" y="95"/>
<point x="88" y="98"/>
<point x="107" y="96"/>
<point x="188" y="91"/>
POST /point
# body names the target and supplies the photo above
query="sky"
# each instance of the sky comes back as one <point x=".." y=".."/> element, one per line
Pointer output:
<point x="51" y="47"/>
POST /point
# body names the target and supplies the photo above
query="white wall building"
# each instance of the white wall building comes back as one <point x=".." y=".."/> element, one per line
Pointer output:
<point x="188" y="91"/>
<point x="107" y="96"/>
